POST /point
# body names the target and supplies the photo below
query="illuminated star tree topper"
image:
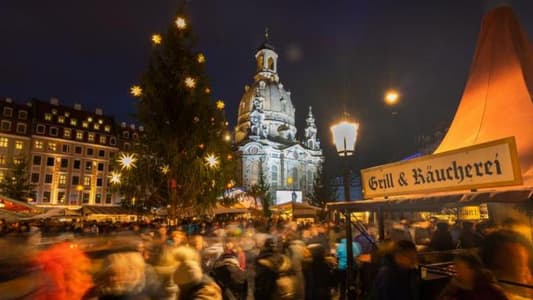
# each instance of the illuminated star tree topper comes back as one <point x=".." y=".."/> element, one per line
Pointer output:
<point x="127" y="161"/>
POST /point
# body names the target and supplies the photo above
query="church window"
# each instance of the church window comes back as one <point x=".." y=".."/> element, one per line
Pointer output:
<point x="274" y="174"/>
<point x="270" y="63"/>
<point x="294" y="176"/>
<point x="260" y="62"/>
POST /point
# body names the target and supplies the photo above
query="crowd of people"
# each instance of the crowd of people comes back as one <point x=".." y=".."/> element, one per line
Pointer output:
<point x="246" y="259"/>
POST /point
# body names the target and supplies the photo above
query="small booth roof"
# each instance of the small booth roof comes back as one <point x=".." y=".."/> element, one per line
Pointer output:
<point x="433" y="202"/>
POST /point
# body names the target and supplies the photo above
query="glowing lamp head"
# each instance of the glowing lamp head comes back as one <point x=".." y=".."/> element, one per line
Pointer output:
<point x="345" y="137"/>
<point x="392" y="97"/>
<point x="136" y="91"/>
<point x="181" y="23"/>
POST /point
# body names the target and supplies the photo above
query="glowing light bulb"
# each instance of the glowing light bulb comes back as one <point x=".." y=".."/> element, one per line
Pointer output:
<point x="156" y="39"/>
<point x="136" y="91"/>
<point x="392" y="97"/>
<point x="190" y="82"/>
<point x="181" y="23"/>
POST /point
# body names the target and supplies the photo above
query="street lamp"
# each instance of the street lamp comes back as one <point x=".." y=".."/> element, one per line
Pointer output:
<point x="345" y="137"/>
<point x="392" y="97"/>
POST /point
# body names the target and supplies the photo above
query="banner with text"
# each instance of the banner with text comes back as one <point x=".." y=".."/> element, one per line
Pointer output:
<point x="491" y="164"/>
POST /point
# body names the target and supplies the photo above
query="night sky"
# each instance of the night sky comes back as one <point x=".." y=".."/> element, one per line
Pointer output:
<point x="334" y="55"/>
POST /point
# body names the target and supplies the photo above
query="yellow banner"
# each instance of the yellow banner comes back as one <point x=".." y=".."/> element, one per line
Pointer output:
<point x="491" y="164"/>
<point x="469" y="213"/>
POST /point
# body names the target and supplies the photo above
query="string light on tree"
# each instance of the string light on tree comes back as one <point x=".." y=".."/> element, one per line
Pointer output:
<point x="211" y="160"/>
<point x="136" y="91"/>
<point x="207" y="90"/>
<point x="200" y="58"/>
<point x="114" y="178"/>
<point x="181" y="23"/>
<point x="190" y="82"/>
<point x="127" y="161"/>
<point x="165" y="169"/>
<point x="156" y="39"/>
<point x="220" y="105"/>
<point x="227" y="137"/>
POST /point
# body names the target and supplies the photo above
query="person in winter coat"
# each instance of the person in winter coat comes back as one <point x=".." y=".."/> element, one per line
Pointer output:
<point x="442" y="238"/>
<point x="299" y="256"/>
<point x="230" y="277"/>
<point x="193" y="284"/>
<point x="342" y="263"/>
<point x="471" y="281"/>
<point x="274" y="277"/>
<point x="398" y="279"/>
<point x="319" y="275"/>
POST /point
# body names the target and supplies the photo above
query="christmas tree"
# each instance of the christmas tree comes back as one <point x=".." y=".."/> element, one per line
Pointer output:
<point x="187" y="132"/>
<point x="16" y="183"/>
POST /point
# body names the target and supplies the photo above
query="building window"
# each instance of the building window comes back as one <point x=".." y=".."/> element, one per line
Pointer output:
<point x="98" y="198"/>
<point x="135" y="136"/>
<point x="73" y="122"/>
<point x="40" y="129"/>
<point x="6" y="125"/>
<point x="48" y="178"/>
<point x="112" y="141"/>
<point x="64" y="163"/>
<point x="67" y="132"/>
<point x="36" y="160"/>
<point x="100" y="166"/>
<point x="79" y="135"/>
<point x="21" y="128"/>
<point x="108" y="198"/>
<point x="88" y="166"/>
<point x="89" y="119"/>
<point x="102" y="139"/>
<point x="54" y="131"/>
<point x="52" y="146"/>
<point x="87" y="180"/>
<point x="4" y="142"/>
<point x="60" y="119"/>
<point x="65" y="148"/>
<point x="90" y="151"/>
<point x="2" y="160"/>
<point x="48" y="117"/>
<point x="107" y="128"/>
<point x="34" y="177"/>
<point x="126" y="134"/>
<point x="23" y="115"/>
<point x="17" y="161"/>
<point x="96" y="126"/>
<point x="77" y="164"/>
<point x="85" y="124"/>
<point x="275" y="174"/>
<point x="90" y="137"/>
<point x="38" y="145"/>
<point x="75" y="180"/>
<point x="8" y="112"/>
<point x="99" y="182"/>
<point x="50" y="161"/>
<point x="19" y="145"/>
<point x="85" y="198"/>
<point x="78" y="150"/>
<point x="46" y="197"/>
<point x="54" y="111"/>
<point x="62" y="179"/>
<point x="61" y="197"/>
<point x="101" y="153"/>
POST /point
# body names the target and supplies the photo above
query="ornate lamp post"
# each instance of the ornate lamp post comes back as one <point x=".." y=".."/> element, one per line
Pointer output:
<point x="345" y="137"/>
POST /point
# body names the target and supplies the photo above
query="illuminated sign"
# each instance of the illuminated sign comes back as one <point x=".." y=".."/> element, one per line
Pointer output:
<point x="288" y="196"/>
<point x="491" y="164"/>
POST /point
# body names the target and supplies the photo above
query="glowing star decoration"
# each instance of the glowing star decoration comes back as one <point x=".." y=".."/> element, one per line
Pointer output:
<point x="127" y="161"/>
<point x="136" y="91"/>
<point x="190" y="82"/>
<point x="220" y="105"/>
<point x="207" y="90"/>
<point x="200" y="58"/>
<point x="181" y="23"/>
<point x="211" y="160"/>
<point x="114" y="178"/>
<point x="165" y="169"/>
<point x="156" y="39"/>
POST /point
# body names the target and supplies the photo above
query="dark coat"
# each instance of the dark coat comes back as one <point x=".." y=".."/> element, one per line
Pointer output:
<point x="395" y="283"/>
<point x="230" y="277"/>
<point x="485" y="289"/>
<point x="274" y="277"/>
<point x="442" y="241"/>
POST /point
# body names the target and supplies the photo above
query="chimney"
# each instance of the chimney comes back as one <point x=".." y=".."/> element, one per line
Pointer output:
<point x="9" y="100"/>
<point x="123" y="124"/>
<point x="132" y="126"/>
<point x="54" y="101"/>
<point x="99" y="112"/>
<point x="77" y="106"/>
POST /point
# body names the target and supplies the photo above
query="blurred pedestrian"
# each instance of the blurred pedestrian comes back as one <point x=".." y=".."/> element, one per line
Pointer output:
<point x="468" y="238"/>
<point x="342" y="264"/>
<point x="442" y="238"/>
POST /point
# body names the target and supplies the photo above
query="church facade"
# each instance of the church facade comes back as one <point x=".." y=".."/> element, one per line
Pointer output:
<point x="266" y="133"/>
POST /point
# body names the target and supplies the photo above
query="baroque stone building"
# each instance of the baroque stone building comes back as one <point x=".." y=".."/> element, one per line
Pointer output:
<point x="266" y="133"/>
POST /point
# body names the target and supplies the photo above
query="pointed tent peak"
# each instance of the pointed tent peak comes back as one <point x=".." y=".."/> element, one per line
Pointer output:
<point x="497" y="99"/>
<point x="266" y="43"/>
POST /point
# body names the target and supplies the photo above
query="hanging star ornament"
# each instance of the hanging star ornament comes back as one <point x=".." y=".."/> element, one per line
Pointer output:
<point x="136" y="91"/>
<point x="114" y="178"/>
<point x="207" y="90"/>
<point x="181" y="23"/>
<point x="156" y="39"/>
<point x="200" y="58"/>
<point x="211" y="160"/>
<point x="127" y="161"/>
<point x="220" y="105"/>
<point x="190" y="82"/>
<point x="165" y="169"/>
